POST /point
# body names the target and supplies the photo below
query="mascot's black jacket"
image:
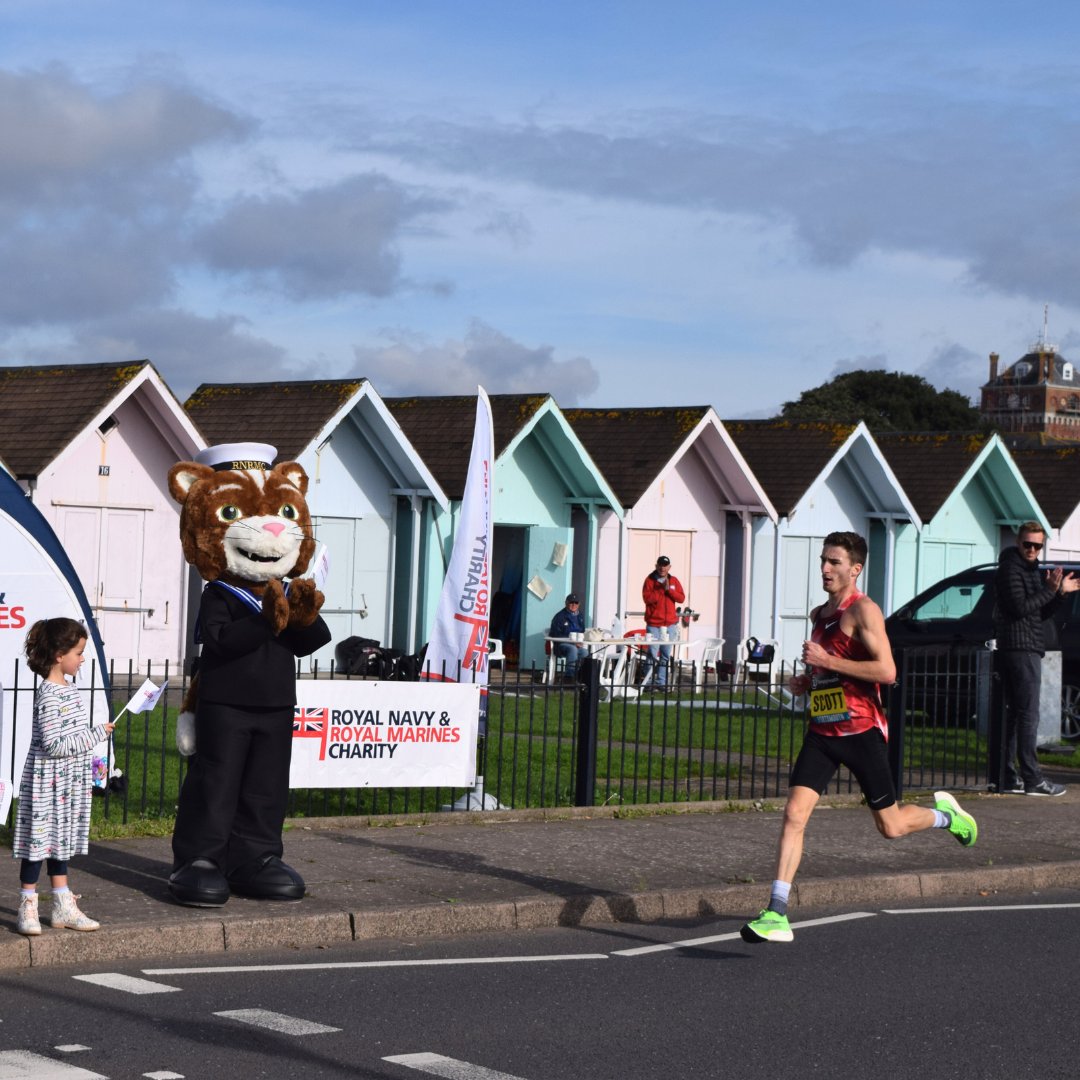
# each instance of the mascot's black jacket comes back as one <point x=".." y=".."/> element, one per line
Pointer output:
<point x="242" y="662"/>
<point x="243" y="726"/>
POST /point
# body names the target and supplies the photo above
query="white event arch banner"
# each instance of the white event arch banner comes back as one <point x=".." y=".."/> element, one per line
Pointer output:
<point x="364" y="733"/>
<point x="37" y="581"/>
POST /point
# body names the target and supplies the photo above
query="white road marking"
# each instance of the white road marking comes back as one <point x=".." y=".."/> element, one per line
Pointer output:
<point x="690" y="943"/>
<point x="980" y="907"/>
<point x="127" y="983"/>
<point x="437" y="1065"/>
<point x="70" y="1048"/>
<point x="164" y="1076"/>
<point x="24" y="1065"/>
<point x="371" y="964"/>
<point x="286" y="1025"/>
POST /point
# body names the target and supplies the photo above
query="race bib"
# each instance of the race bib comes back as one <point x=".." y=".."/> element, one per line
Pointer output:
<point x="828" y="703"/>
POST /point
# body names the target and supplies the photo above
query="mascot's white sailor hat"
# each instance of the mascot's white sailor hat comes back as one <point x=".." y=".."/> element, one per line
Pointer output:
<point x="238" y="456"/>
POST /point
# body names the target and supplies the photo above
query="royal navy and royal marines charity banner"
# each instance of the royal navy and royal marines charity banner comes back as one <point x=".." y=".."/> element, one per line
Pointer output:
<point x="384" y="734"/>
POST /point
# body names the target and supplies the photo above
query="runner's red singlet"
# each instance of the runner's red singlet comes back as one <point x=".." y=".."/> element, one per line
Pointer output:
<point x="861" y="702"/>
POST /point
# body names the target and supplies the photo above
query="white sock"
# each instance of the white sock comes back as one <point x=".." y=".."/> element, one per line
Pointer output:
<point x="778" y="898"/>
<point x="941" y="820"/>
<point x="61" y="890"/>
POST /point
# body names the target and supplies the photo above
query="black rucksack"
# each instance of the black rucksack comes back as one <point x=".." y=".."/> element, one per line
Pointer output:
<point x="355" y="656"/>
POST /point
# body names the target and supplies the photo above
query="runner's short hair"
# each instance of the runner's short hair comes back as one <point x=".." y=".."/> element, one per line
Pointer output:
<point x="851" y="542"/>
<point x="1030" y="527"/>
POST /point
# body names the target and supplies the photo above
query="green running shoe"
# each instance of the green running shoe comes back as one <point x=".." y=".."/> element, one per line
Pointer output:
<point x="961" y="823"/>
<point x="768" y="926"/>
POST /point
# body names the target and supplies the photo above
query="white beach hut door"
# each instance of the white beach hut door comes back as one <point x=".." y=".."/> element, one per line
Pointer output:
<point x="339" y="610"/>
<point x="106" y="547"/>
<point x="646" y="546"/>
<point x="357" y="588"/>
<point x="123" y="538"/>
<point x="800" y="590"/>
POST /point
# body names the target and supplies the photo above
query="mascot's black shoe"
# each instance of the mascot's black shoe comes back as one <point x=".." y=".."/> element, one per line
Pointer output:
<point x="199" y="883"/>
<point x="267" y="878"/>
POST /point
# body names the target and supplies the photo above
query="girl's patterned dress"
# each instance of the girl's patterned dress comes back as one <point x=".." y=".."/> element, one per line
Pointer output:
<point x="53" y="820"/>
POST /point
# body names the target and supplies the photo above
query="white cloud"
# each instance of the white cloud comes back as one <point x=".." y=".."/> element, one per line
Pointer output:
<point x="59" y="133"/>
<point x="957" y="181"/>
<point x="955" y="367"/>
<point x="95" y="192"/>
<point x="858" y="363"/>
<point x="485" y="357"/>
<point x="187" y="349"/>
<point x="324" y="242"/>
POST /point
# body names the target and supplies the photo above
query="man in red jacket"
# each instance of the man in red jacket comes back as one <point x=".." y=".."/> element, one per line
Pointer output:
<point x="661" y="592"/>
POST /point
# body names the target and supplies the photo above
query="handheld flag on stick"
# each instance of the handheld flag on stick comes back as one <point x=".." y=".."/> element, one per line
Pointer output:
<point x="319" y="570"/>
<point x="144" y="699"/>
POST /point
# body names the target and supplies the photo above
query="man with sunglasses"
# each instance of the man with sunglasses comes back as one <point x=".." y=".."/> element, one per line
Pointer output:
<point x="1025" y="598"/>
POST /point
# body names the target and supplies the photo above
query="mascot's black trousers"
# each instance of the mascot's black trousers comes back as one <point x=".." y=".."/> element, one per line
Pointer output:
<point x="235" y="795"/>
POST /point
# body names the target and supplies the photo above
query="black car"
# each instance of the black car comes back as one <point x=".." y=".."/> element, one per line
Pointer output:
<point x="957" y="613"/>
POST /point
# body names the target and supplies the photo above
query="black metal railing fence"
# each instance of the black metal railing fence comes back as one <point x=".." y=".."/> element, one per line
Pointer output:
<point x="589" y="742"/>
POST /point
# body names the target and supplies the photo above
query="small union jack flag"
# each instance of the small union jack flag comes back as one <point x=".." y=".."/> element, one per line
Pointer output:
<point x="309" y="723"/>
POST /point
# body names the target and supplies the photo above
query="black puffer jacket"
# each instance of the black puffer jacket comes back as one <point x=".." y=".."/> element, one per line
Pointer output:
<point x="1023" y="601"/>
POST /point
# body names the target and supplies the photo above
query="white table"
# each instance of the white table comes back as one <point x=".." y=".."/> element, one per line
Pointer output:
<point x="624" y="650"/>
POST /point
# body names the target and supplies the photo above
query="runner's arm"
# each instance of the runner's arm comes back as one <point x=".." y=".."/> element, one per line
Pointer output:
<point x="869" y="628"/>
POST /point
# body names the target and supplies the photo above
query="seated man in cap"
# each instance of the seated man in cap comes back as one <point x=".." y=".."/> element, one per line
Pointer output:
<point x="567" y="622"/>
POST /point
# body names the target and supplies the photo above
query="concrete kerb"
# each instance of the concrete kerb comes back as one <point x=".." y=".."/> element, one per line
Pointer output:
<point x="56" y="947"/>
<point x="447" y="919"/>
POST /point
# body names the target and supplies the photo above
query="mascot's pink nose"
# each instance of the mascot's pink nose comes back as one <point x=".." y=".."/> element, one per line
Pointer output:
<point x="274" y="527"/>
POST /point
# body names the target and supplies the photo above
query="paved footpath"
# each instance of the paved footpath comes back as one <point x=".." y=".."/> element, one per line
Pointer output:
<point x="504" y="870"/>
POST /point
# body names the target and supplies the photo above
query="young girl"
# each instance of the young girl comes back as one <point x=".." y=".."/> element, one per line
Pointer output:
<point x="53" y="821"/>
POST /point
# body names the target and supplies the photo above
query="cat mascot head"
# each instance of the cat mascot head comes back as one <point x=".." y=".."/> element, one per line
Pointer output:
<point x="241" y="521"/>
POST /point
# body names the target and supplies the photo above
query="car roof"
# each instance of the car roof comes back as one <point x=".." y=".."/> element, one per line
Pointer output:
<point x="972" y="573"/>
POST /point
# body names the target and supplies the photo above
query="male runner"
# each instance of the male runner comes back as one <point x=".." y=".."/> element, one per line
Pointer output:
<point x="847" y="659"/>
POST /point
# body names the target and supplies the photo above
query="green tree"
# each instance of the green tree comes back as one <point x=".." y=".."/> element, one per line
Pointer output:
<point x="887" y="401"/>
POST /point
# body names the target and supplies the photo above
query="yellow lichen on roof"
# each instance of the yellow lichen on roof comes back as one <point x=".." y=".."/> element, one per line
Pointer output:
<point x="686" y="420"/>
<point x="211" y="393"/>
<point x="127" y="372"/>
<point x="529" y="406"/>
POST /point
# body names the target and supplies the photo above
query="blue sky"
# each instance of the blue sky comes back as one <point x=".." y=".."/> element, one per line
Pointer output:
<point x="621" y="204"/>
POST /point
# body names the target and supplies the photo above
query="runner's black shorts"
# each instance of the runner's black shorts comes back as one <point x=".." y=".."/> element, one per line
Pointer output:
<point x="865" y="754"/>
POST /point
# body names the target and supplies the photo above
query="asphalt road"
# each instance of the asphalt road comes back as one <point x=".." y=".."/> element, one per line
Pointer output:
<point x="904" y="992"/>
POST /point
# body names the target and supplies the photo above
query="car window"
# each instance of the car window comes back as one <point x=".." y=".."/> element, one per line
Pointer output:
<point x="954" y="602"/>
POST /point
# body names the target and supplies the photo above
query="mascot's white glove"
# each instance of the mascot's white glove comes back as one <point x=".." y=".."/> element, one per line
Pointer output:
<point x="185" y="734"/>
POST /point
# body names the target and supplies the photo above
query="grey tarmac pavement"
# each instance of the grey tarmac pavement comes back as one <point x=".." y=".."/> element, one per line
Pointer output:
<point x="412" y="876"/>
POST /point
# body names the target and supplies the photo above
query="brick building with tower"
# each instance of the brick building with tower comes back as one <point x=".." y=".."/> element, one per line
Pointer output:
<point x="1035" y="400"/>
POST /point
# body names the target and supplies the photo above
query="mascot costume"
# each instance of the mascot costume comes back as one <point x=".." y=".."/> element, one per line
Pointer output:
<point x="245" y="527"/>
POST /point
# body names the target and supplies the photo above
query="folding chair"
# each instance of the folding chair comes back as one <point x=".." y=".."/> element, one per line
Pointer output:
<point x="710" y="661"/>
<point x="555" y="663"/>
<point x="759" y="654"/>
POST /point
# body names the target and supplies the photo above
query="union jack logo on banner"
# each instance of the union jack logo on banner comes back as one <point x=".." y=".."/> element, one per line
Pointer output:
<point x="307" y="722"/>
<point x="311" y="724"/>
